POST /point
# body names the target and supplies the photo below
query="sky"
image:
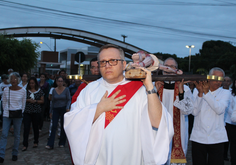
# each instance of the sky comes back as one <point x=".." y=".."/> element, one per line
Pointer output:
<point x="165" y="26"/>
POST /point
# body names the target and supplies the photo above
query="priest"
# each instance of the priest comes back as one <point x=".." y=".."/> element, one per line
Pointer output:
<point x="178" y="100"/>
<point x="115" y="121"/>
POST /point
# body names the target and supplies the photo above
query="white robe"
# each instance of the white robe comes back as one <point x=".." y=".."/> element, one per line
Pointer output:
<point x="186" y="108"/>
<point x="128" y="140"/>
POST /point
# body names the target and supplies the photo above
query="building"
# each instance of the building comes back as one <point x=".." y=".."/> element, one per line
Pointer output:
<point x="52" y="62"/>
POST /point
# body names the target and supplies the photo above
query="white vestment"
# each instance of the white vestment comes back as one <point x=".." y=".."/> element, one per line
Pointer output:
<point x="168" y="101"/>
<point x="209" y="126"/>
<point x="128" y="140"/>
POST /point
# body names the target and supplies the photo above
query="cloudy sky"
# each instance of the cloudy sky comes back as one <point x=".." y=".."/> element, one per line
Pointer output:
<point x="165" y="26"/>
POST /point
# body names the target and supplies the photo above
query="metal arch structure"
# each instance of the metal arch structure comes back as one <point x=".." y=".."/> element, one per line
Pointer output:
<point x="69" y="34"/>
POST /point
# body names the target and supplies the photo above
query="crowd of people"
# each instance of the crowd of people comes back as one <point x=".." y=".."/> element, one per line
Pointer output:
<point x="31" y="100"/>
<point x="116" y="121"/>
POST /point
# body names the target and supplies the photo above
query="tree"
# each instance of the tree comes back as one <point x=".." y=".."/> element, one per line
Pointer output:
<point x="218" y="54"/>
<point x="21" y="56"/>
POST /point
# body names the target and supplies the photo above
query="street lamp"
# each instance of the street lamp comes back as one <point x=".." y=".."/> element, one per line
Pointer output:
<point x="45" y="44"/>
<point x="190" y="47"/>
<point x="124" y="36"/>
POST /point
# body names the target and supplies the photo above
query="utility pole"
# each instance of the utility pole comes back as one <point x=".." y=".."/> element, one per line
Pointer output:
<point x="124" y="36"/>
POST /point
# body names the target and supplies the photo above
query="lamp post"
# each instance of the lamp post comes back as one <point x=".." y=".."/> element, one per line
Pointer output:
<point x="124" y="36"/>
<point x="45" y="44"/>
<point x="190" y="47"/>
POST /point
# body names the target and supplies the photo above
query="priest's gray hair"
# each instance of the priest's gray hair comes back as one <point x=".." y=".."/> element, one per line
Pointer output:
<point x="122" y="54"/>
<point x="216" y="69"/>
<point x="170" y="58"/>
<point x="17" y="76"/>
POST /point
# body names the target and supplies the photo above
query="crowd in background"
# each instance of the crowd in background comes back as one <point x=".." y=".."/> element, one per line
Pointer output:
<point x="36" y="99"/>
<point x="48" y="97"/>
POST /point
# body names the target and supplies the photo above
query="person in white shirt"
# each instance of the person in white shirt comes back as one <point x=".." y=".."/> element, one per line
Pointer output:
<point x="118" y="129"/>
<point x="24" y="80"/>
<point x="177" y="98"/>
<point x="4" y="84"/>
<point x="13" y="100"/>
<point x="209" y="134"/>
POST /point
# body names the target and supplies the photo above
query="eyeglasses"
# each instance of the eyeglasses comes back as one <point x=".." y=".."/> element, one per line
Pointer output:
<point x="111" y="62"/>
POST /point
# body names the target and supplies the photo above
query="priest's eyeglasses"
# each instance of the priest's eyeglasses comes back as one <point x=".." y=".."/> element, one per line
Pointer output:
<point x="111" y="62"/>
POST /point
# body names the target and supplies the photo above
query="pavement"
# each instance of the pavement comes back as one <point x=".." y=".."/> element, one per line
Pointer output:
<point x="42" y="156"/>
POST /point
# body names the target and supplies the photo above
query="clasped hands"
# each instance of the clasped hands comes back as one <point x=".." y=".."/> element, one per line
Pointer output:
<point x="202" y="87"/>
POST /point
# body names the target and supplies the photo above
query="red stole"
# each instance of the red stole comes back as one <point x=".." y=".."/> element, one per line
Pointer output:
<point x="177" y="154"/>
<point x="129" y="90"/>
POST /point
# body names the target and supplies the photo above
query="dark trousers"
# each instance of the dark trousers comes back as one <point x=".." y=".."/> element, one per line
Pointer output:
<point x="33" y="118"/>
<point x="56" y="114"/>
<point x="232" y="142"/>
<point x="190" y="123"/>
<point x="41" y="116"/>
<point x="43" y="108"/>
<point x="47" y="109"/>
<point x="208" y="154"/>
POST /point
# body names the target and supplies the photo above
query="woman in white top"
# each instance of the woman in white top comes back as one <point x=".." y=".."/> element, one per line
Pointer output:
<point x="24" y="80"/>
<point x="14" y="99"/>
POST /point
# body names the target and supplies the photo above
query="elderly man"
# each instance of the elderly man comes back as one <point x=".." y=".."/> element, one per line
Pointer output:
<point x="209" y="134"/>
<point x="177" y="98"/>
<point x="113" y="119"/>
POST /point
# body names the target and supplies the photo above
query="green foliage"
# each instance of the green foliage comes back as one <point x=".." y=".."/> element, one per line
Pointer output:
<point x="21" y="56"/>
<point x="218" y="54"/>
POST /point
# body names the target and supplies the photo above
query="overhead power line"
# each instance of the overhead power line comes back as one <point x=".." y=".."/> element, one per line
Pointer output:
<point x="107" y="20"/>
<point x="166" y="3"/>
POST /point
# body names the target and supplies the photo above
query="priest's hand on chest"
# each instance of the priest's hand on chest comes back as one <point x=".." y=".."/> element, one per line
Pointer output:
<point x="110" y="103"/>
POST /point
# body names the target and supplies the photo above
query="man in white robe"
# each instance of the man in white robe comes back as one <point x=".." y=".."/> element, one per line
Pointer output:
<point x="183" y="100"/>
<point x="129" y="139"/>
